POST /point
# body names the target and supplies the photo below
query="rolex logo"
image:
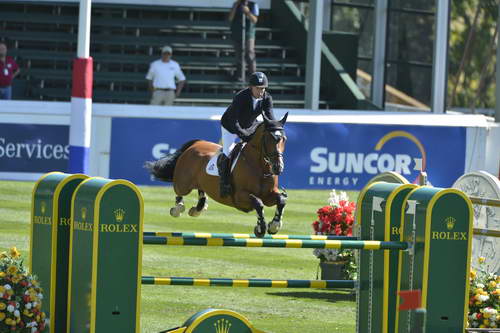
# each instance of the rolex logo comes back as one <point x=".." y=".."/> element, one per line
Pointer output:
<point x="222" y="326"/>
<point x="450" y="222"/>
<point x="84" y="213"/>
<point x="43" y="207"/>
<point x="119" y="215"/>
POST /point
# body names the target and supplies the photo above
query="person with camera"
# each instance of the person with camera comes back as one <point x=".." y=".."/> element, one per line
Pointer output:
<point x="243" y="18"/>
<point x="239" y="122"/>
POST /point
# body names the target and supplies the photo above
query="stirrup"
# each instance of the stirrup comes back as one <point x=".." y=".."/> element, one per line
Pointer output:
<point x="225" y="187"/>
<point x="221" y="162"/>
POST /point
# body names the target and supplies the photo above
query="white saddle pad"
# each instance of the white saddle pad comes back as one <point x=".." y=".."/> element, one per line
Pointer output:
<point x="212" y="168"/>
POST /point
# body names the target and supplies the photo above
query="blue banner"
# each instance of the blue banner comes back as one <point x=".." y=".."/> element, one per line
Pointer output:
<point x="134" y="141"/>
<point x="34" y="148"/>
<point x="347" y="156"/>
<point x="317" y="155"/>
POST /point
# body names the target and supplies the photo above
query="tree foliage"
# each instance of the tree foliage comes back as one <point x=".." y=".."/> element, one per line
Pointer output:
<point x="472" y="53"/>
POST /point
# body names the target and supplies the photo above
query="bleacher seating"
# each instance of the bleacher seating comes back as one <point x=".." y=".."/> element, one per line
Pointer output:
<point x="126" y="38"/>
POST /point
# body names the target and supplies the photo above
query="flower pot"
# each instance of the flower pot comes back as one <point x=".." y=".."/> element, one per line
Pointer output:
<point x="332" y="270"/>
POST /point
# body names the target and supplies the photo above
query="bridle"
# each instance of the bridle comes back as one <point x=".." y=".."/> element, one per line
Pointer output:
<point x="267" y="156"/>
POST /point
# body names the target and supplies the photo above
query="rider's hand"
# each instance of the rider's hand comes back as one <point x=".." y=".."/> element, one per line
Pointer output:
<point x="245" y="135"/>
<point x="246" y="138"/>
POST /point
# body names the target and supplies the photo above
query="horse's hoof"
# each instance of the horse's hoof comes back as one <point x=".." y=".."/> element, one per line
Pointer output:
<point x="177" y="210"/>
<point x="174" y="212"/>
<point x="258" y="232"/>
<point x="194" y="212"/>
<point x="273" y="227"/>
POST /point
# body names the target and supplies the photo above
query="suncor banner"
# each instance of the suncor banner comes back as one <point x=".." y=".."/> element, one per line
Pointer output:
<point x="347" y="156"/>
<point x="33" y="148"/>
<point x="317" y="155"/>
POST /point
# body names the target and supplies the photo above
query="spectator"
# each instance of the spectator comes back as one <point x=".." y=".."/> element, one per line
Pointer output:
<point x="162" y="77"/>
<point x="239" y="122"/>
<point x="8" y="71"/>
<point x="244" y="13"/>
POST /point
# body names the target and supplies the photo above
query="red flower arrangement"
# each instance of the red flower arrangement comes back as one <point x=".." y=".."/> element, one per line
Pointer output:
<point x="335" y="219"/>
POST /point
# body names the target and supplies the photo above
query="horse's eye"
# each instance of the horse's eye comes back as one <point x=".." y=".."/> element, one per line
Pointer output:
<point x="275" y="137"/>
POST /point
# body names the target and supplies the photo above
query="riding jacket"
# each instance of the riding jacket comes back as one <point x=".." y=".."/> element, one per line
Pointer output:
<point x="240" y="117"/>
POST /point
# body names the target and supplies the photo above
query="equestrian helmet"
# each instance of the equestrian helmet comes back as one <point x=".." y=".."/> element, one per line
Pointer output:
<point x="258" y="79"/>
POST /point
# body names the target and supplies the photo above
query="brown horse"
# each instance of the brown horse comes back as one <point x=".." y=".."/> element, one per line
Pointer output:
<point x="254" y="177"/>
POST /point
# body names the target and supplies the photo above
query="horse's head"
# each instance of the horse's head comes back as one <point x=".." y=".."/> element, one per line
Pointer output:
<point x="273" y="143"/>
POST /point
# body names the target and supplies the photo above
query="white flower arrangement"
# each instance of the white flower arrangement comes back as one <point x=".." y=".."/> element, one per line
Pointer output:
<point x="484" y="298"/>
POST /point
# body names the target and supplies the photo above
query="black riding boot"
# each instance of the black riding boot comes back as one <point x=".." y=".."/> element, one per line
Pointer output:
<point x="225" y="175"/>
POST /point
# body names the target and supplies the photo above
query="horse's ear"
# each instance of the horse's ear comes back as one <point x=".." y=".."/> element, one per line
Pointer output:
<point x="283" y="120"/>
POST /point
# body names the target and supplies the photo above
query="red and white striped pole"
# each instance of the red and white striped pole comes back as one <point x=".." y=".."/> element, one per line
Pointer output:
<point x="81" y="96"/>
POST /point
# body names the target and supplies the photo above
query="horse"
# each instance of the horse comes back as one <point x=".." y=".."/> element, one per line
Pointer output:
<point x="254" y="177"/>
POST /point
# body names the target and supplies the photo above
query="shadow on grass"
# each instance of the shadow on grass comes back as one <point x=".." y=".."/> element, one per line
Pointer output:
<point x="330" y="296"/>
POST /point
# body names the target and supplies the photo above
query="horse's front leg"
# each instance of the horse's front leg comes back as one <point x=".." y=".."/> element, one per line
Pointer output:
<point x="275" y="225"/>
<point x="179" y="208"/>
<point x="258" y="205"/>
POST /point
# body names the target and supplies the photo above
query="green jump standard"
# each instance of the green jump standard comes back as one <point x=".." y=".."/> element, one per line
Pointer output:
<point x="49" y="242"/>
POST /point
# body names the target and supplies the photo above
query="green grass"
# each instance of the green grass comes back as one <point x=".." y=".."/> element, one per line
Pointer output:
<point x="271" y="310"/>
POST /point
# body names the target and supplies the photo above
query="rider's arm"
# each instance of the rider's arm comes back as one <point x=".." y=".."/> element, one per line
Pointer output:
<point x="267" y="107"/>
<point x="230" y="120"/>
<point x="243" y="133"/>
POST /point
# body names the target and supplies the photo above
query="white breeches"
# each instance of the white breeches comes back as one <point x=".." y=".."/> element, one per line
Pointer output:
<point x="228" y="141"/>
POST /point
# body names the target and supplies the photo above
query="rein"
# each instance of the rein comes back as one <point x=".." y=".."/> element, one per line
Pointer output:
<point x="267" y="157"/>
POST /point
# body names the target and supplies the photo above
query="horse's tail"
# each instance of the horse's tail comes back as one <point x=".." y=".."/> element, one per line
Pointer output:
<point x="163" y="169"/>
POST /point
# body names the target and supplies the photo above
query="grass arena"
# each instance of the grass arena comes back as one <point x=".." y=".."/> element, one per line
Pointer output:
<point x="108" y="256"/>
<point x="162" y="307"/>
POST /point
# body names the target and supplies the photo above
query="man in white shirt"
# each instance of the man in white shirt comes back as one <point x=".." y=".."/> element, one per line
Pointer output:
<point x="162" y="76"/>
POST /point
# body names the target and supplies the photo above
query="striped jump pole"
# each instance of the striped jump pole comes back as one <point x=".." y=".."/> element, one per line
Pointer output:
<point x="485" y="201"/>
<point x="284" y="243"/>
<point x="223" y="235"/>
<point x="486" y="232"/>
<point x="247" y="283"/>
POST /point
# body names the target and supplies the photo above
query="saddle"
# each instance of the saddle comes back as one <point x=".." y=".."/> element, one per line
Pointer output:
<point x="233" y="155"/>
<point x="212" y="168"/>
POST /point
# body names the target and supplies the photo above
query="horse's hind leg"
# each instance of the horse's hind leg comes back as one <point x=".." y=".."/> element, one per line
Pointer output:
<point x="200" y="206"/>
<point x="260" y="228"/>
<point x="275" y="225"/>
<point x="179" y="208"/>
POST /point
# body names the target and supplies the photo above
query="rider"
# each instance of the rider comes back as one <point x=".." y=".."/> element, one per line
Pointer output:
<point x="239" y="121"/>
